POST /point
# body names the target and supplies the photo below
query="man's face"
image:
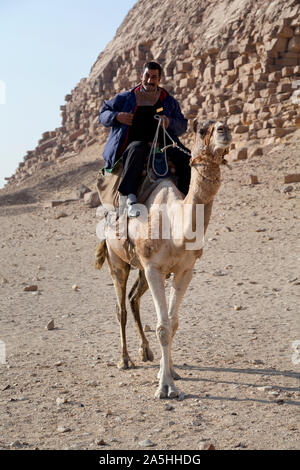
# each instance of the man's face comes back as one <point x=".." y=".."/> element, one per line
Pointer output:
<point x="150" y="79"/>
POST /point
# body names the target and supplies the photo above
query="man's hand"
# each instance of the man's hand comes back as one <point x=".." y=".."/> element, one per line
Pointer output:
<point x="166" y="120"/>
<point x="125" y="118"/>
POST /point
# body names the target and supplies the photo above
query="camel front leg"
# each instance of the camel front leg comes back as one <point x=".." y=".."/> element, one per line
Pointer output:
<point x="180" y="284"/>
<point x="155" y="280"/>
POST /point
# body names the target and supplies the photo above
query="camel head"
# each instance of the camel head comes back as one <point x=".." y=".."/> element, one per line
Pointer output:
<point x="213" y="139"/>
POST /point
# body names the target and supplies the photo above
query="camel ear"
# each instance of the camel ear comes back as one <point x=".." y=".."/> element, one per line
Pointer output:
<point x="204" y="128"/>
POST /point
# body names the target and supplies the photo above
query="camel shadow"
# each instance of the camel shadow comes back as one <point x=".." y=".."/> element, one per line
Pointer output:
<point x="217" y="380"/>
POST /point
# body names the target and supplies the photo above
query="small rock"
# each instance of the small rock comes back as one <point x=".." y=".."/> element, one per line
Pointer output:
<point x="168" y="407"/>
<point x="253" y="179"/>
<point x="206" y="446"/>
<point x="62" y="429"/>
<point x="100" y="442"/>
<point x="181" y="396"/>
<point x="146" y="443"/>
<point x="81" y="191"/>
<point x="265" y="388"/>
<point x="147" y="328"/>
<point x="75" y="287"/>
<point x="50" y="325"/>
<point x="4" y="280"/>
<point x="257" y="362"/>
<point x="196" y="422"/>
<point x="288" y="189"/>
<point x="274" y="393"/>
<point x="60" y="215"/>
<point x="219" y="273"/>
<point x="237" y="307"/>
<point x="61" y="401"/>
<point x="241" y="445"/>
<point x="31" y="288"/>
<point x="91" y="199"/>
<point x="16" y="444"/>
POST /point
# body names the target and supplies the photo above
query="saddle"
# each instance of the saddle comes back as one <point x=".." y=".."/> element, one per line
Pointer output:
<point x="108" y="182"/>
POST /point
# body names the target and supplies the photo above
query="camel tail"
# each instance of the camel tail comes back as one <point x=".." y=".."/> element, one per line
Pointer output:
<point x="100" y="255"/>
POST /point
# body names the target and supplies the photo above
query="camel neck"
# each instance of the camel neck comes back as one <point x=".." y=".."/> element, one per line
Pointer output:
<point x="205" y="182"/>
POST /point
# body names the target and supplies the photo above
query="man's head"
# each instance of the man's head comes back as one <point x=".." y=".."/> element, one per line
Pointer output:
<point x="151" y="76"/>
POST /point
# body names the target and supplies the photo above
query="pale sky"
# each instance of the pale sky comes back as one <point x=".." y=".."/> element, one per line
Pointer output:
<point x="46" y="47"/>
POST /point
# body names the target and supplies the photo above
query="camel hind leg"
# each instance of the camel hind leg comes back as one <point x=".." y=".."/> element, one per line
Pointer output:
<point x="119" y="271"/>
<point x="139" y="288"/>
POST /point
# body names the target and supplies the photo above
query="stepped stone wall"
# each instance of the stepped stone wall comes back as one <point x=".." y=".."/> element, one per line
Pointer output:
<point x="222" y="59"/>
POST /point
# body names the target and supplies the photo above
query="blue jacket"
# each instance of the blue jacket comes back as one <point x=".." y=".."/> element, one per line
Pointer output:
<point x="126" y="102"/>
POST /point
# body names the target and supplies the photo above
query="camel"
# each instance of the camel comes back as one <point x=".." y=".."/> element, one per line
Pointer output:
<point x="158" y="258"/>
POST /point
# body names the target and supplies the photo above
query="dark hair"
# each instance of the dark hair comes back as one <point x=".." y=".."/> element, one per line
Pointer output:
<point x="153" y="66"/>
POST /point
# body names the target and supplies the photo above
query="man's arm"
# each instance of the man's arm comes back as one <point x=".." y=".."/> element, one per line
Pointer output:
<point x="111" y="113"/>
<point x="177" y="122"/>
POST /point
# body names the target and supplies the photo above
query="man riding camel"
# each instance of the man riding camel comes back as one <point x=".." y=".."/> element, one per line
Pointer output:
<point x="130" y="115"/>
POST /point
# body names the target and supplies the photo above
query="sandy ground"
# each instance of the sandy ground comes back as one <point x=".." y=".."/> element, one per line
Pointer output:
<point x="61" y="389"/>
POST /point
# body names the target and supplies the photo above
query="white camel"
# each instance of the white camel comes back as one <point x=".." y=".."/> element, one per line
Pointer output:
<point x="160" y="257"/>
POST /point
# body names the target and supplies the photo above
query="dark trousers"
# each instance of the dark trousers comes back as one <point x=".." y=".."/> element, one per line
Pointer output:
<point x="134" y="159"/>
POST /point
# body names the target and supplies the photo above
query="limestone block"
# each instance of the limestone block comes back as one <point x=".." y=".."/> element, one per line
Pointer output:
<point x="294" y="44"/>
<point x="240" y="129"/>
<point x="277" y="45"/>
<point x="263" y="133"/>
<point x="209" y="74"/>
<point x="284" y="88"/>
<point x="275" y="76"/>
<point x="241" y="60"/>
<point x="255" y="152"/>
<point x="287" y="62"/>
<point x="265" y="93"/>
<point x="297" y="70"/>
<point x="183" y="67"/>
<point x="234" y="120"/>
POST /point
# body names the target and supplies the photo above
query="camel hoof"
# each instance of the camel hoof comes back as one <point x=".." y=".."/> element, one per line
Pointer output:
<point x="172" y="391"/>
<point x="125" y="363"/>
<point x="161" y="392"/>
<point x="166" y="391"/>
<point x="146" y="354"/>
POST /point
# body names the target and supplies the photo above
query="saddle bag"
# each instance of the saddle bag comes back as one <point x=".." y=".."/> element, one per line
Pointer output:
<point x="108" y="182"/>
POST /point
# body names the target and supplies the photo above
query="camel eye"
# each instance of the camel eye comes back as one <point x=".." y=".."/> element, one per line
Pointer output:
<point x="221" y="129"/>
